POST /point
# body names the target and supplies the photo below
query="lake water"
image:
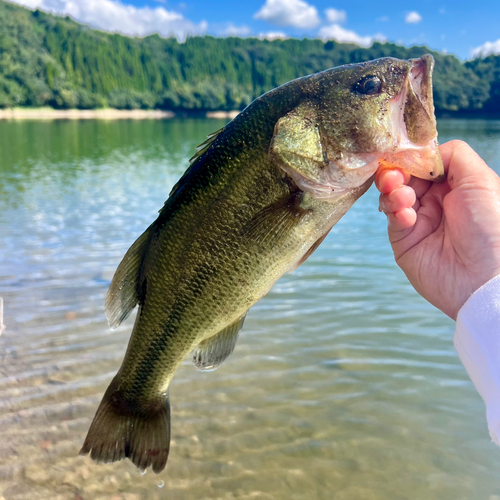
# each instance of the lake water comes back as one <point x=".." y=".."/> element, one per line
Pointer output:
<point x="344" y="384"/>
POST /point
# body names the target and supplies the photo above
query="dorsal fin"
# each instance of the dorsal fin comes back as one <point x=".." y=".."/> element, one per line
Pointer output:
<point x="205" y="145"/>
<point x="212" y="352"/>
<point x="122" y="294"/>
<point x="200" y="150"/>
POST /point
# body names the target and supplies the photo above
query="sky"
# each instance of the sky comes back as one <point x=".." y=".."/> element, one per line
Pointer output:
<point x="461" y="27"/>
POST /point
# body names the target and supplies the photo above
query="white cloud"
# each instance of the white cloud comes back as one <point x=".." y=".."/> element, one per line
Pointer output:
<point x="32" y="4"/>
<point x="113" y="15"/>
<point x="486" y="49"/>
<point x="296" y="13"/>
<point x="273" y="35"/>
<point x="383" y="19"/>
<point x="335" y="16"/>
<point x="336" y="32"/>
<point x="233" y="30"/>
<point x="413" y="17"/>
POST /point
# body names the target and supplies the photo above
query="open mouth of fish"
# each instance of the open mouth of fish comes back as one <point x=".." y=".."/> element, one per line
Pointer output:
<point x="413" y="146"/>
<point x="414" y="125"/>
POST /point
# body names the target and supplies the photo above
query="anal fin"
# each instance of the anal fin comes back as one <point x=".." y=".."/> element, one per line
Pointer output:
<point x="212" y="352"/>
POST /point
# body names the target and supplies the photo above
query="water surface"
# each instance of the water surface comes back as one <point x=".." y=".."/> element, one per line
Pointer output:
<point x="344" y="384"/>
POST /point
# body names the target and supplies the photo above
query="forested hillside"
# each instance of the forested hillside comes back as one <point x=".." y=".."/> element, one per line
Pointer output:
<point x="54" y="61"/>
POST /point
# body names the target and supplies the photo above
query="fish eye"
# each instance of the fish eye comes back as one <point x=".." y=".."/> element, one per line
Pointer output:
<point x="369" y="85"/>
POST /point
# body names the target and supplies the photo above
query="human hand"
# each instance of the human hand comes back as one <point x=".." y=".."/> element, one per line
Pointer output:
<point x="445" y="237"/>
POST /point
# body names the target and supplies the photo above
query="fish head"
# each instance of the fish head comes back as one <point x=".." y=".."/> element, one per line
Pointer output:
<point x="352" y="119"/>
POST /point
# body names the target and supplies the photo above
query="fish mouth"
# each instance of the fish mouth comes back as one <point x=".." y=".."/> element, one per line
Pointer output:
<point x="414" y="125"/>
<point x="420" y="101"/>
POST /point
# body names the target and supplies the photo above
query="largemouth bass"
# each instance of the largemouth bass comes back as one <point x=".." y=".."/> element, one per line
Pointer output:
<point x="259" y="197"/>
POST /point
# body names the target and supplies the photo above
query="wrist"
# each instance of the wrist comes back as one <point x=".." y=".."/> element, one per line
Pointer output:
<point x="466" y="290"/>
<point x="483" y="291"/>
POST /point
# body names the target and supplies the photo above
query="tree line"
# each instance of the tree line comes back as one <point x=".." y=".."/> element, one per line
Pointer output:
<point x="47" y="60"/>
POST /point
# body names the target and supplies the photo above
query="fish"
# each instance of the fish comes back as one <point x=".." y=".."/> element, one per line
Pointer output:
<point x="258" y="198"/>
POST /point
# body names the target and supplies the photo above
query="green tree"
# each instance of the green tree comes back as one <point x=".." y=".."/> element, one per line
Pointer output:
<point x="52" y="60"/>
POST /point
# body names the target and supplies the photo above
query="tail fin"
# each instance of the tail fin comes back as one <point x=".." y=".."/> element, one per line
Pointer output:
<point x="118" y="431"/>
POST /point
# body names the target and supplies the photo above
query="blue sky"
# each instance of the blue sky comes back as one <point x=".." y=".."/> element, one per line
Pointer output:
<point x="460" y="27"/>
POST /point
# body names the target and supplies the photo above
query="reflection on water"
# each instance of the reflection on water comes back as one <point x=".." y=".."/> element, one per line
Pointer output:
<point x="344" y="384"/>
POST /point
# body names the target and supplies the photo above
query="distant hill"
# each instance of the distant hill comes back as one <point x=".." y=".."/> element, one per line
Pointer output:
<point x="54" y="61"/>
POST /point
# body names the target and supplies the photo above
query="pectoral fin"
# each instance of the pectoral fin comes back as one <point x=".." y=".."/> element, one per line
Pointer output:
<point x="211" y="353"/>
<point x="276" y="220"/>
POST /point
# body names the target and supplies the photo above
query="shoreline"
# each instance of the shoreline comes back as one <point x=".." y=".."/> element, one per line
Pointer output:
<point x="46" y="113"/>
<point x="101" y="114"/>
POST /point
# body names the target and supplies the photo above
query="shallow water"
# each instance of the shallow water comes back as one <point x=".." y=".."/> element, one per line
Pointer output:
<point x="344" y="384"/>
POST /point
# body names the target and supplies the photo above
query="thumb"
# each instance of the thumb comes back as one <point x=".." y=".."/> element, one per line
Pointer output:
<point x="463" y="164"/>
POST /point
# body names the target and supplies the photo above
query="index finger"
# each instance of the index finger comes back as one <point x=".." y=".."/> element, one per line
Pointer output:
<point x="388" y="179"/>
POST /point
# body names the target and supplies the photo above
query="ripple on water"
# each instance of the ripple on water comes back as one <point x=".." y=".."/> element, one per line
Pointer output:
<point x="344" y="383"/>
